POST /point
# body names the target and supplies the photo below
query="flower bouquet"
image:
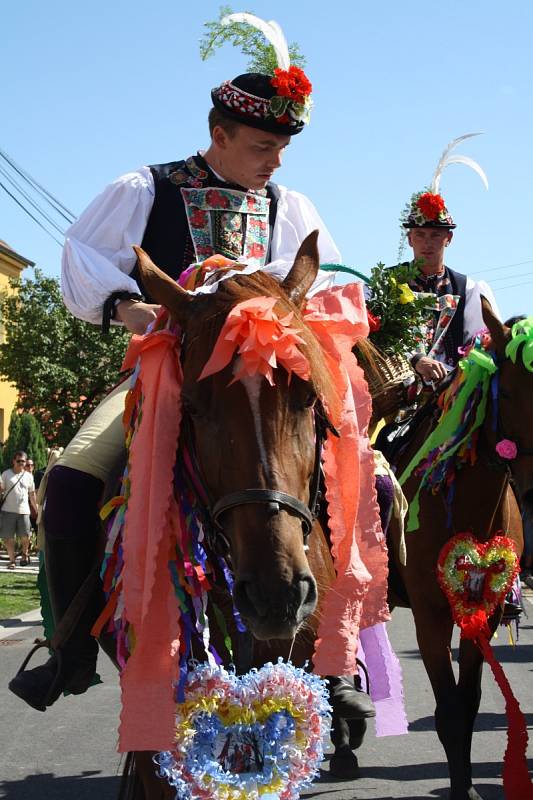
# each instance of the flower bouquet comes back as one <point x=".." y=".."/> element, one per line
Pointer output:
<point x="395" y="316"/>
<point x="395" y="313"/>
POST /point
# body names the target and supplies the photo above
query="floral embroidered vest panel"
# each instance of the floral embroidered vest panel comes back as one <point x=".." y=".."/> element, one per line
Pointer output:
<point x="195" y="215"/>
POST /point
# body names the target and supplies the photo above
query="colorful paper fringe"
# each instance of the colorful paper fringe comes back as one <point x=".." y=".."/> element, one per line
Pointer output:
<point x="453" y="441"/>
<point x="251" y="737"/>
<point x="475" y="577"/>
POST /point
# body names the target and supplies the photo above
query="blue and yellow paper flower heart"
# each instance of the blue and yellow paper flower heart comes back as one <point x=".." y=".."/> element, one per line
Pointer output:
<point x="252" y="737"/>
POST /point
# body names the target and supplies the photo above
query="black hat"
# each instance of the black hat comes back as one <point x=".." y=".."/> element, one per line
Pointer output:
<point x="427" y="210"/>
<point x="253" y="99"/>
<point x="276" y="99"/>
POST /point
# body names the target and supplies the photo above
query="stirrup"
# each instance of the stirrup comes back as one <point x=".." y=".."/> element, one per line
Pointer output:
<point x="59" y="659"/>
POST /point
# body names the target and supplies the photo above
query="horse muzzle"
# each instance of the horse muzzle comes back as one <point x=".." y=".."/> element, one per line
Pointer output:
<point x="275" y="610"/>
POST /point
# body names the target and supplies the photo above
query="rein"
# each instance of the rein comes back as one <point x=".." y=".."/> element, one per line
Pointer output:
<point x="275" y="500"/>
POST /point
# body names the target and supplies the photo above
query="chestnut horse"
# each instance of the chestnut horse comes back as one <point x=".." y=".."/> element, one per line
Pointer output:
<point x="250" y="435"/>
<point x="484" y="504"/>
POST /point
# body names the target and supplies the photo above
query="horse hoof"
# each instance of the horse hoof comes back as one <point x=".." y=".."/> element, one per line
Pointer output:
<point x="344" y="765"/>
<point x="473" y="795"/>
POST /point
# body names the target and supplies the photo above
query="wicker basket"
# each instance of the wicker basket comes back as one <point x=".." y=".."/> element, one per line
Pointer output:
<point x="388" y="377"/>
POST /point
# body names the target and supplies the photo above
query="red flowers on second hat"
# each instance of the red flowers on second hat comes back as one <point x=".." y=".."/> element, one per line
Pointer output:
<point x="431" y="205"/>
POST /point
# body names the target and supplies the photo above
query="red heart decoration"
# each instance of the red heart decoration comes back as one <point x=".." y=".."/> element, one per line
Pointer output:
<point x="475" y="577"/>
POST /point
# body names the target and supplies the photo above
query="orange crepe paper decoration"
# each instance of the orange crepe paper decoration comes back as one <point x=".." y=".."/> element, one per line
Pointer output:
<point x="262" y="340"/>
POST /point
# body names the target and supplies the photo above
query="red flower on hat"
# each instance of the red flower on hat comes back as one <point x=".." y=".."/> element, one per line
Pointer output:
<point x="292" y="83"/>
<point x="431" y="205"/>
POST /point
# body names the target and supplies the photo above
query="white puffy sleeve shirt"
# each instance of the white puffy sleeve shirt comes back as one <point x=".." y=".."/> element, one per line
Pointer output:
<point x="473" y="318"/>
<point x="98" y="256"/>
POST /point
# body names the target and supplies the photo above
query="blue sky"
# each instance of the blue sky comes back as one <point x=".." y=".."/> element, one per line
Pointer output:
<point x="90" y="91"/>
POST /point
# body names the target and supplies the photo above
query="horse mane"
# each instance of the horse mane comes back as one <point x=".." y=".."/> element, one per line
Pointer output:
<point x="245" y="287"/>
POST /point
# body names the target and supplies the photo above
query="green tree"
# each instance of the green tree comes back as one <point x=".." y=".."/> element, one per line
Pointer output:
<point x="61" y="367"/>
<point x="10" y="446"/>
<point x="25" y="434"/>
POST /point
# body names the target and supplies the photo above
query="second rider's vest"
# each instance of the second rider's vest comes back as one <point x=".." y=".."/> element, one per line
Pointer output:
<point x="195" y="215"/>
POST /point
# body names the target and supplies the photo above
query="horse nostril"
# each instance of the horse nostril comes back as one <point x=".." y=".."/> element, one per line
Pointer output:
<point x="248" y="599"/>
<point x="308" y="594"/>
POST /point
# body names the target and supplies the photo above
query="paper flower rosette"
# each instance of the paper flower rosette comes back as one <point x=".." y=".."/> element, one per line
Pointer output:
<point x="475" y="577"/>
<point x="252" y="737"/>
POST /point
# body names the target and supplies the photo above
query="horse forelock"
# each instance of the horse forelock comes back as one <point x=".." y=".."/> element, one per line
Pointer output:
<point x="213" y="310"/>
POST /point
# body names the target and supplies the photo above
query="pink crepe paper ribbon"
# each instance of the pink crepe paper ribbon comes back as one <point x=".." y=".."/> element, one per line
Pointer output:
<point x="147" y="720"/>
<point x="507" y="449"/>
<point x="358" y="597"/>
<point x="262" y="340"/>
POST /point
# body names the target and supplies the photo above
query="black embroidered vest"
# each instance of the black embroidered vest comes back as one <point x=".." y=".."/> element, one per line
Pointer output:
<point x="167" y="238"/>
<point x="454" y="337"/>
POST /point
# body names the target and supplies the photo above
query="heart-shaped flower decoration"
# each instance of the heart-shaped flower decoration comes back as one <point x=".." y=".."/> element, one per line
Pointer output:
<point x="475" y="577"/>
<point x="250" y="737"/>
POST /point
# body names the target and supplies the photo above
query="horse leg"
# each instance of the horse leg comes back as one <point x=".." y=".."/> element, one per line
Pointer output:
<point x="346" y="735"/>
<point x="469" y="687"/>
<point x="147" y="785"/>
<point x="434" y="631"/>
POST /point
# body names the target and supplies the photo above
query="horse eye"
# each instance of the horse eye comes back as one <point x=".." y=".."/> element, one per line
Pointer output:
<point x="504" y="394"/>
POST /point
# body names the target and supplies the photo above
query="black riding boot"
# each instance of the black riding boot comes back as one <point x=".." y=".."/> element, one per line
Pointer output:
<point x="72" y="528"/>
<point x="350" y="701"/>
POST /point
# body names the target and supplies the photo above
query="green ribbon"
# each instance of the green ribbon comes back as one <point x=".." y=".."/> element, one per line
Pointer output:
<point x="522" y="334"/>
<point x="478" y="367"/>
<point x="342" y="268"/>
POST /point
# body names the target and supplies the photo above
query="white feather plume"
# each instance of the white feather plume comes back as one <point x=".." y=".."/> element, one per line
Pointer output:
<point x="447" y="159"/>
<point x="271" y="30"/>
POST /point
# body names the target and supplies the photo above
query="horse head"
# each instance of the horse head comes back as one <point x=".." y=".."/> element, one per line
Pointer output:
<point x="253" y="441"/>
<point x="514" y="411"/>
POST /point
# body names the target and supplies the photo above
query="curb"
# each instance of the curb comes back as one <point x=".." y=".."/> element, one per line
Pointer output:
<point x="10" y="627"/>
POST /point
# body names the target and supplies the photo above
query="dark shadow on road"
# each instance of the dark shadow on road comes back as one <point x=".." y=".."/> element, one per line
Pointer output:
<point x="85" y="786"/>
<point x="19" y="623"/>
<point x="325" y="788"/>
<point x="484" y="722"/>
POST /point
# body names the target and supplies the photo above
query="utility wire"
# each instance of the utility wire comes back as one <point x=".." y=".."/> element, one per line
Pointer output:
<point x="69" y="216"/>
<point x="23" y="207"/>
<point x="27" y="197"/>
<point x="514" y="286"/>
<point x="528" y="274"/>
<point x="503" y="266"/>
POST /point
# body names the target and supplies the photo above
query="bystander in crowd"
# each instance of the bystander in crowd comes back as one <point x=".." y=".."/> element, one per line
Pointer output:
<point x="18" y="502"/>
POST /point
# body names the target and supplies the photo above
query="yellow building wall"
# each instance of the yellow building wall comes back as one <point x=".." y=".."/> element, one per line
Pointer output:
<point x="11" y="266"/>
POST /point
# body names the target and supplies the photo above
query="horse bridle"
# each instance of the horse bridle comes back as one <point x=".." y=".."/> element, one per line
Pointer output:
<point x="275" y="500"/>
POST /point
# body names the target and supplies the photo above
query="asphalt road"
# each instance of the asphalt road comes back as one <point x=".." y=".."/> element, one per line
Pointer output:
<point x="70" y="751"/>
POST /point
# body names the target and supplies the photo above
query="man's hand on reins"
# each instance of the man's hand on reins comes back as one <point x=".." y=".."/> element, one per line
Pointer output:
<point x="430" y="370"/>
<point x="135" y="315"/>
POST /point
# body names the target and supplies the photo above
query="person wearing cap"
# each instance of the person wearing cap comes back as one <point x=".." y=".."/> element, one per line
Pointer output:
<point x="219" y="201"/>
<point x="454" y="300"/>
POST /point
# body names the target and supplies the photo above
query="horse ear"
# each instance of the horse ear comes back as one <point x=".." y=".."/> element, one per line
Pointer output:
<point x="304" y="270"/>
<point x="162" y="288"/>
<point x="497" y="329"/>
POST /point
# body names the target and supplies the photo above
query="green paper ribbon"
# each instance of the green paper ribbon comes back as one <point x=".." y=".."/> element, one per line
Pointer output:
<point x="522" y="334"/>
<point x="478" y="367"/>
<point x="342" y="268"/>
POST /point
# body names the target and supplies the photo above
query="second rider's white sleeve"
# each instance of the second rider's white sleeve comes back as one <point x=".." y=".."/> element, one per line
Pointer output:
<point x="296" y="217"/>
<point x="98" y="254"/>
<point x="473" y="318"/>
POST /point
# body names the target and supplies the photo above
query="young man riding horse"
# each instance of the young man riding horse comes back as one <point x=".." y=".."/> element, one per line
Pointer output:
<point x="218" y="201"/>
<point x="454" y="315"/>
